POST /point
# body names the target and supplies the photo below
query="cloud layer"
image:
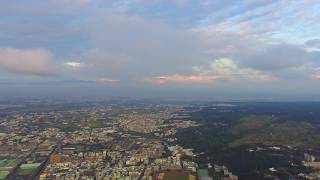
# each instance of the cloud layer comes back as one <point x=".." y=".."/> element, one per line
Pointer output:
<point x="36" y="62"/>
<point x="144" y="43"/>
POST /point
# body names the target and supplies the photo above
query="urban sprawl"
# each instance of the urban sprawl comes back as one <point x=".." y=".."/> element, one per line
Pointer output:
<point x="112" y="142"/>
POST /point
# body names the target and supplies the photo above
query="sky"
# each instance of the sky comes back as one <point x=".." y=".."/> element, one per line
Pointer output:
<point x="160" y="48"/>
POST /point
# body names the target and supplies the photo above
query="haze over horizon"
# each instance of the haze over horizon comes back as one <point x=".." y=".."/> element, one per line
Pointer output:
<point x="160" y="48"/>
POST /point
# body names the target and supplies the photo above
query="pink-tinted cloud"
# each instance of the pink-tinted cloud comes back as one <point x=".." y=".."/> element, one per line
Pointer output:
<point x="106" y="80"/>
<point x="183" y="79"/>
<point x="316" y="75"/>
<point x="221" y="69"/>
<point x="27" y="61"/>
<point x="266" y="78"/>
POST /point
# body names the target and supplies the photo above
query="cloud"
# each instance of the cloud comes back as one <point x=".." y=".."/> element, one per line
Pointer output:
<point x="313" y="43"/>
<point x="183" y="79"/>
<point x="171" y="42"/>
<point x="220" y="69"/>
<point x="75" y="65"/>
<point x="134" y="47"/>
<point x="254" y="49"/>
<point x="27" y="61"/>
<point x="182" y="3"/>
<point x="103" y="59"/>
<point x="228" y="39"/>
<point x="311" y="70"/>
<point x="276" y="57"/>
<point x="42" y="8"/>
<point x="131" y="5"/>
<point x="227" y="69"/>
<point x="316" y="76"/>
<point x="106" y="80"/>
<point x="258" y="3"/>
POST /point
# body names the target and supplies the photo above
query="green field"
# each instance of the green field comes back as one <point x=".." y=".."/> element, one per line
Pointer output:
<point x="97" y="124"/>
<point x="26" y="169"/>
<point x="3" y="174"/>
<point x="67" y="127"/>
<point x="203" y="173"/>
<point x="7" y="164"/>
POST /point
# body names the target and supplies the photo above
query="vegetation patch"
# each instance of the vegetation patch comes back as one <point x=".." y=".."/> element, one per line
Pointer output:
<point x="26" y="169"/>
<point x="8" y="164"/>
<point x="268" y="131"/>
<point x="3" y="174"/>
